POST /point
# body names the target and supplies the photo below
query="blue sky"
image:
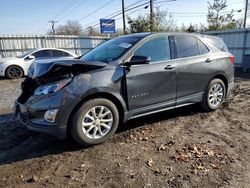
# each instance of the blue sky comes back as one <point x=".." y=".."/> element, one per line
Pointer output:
<point x="31" y="16"/>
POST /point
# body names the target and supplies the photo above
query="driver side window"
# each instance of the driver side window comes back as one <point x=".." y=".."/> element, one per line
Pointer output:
<point x="156" y="48"/>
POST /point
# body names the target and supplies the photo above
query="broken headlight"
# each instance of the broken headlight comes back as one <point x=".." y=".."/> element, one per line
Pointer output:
<point x="49" y="89"/>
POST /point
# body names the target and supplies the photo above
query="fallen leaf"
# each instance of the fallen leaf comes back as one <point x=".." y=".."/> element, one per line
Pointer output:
<point x="214" y="166"/>
<point x="162" y="147"/>
<point x="150" y="162"/>
<point x="183" y="157"/>
<point x="210" y="153"/>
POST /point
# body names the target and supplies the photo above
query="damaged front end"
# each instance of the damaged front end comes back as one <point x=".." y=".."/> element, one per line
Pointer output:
<point x="45" y="72"/>
<point x="48" y="95"/>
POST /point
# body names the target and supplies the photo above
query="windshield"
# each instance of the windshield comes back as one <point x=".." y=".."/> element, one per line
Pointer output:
<point x="24" y="54"/>
<point x="111" y="49"/>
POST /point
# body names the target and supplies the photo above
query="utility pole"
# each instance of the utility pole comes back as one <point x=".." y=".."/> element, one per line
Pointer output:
<point x="245" y="17"/>
<point x="151" y="15"/>
<point x="123" y="16"/>
<point x="53" y="25"/>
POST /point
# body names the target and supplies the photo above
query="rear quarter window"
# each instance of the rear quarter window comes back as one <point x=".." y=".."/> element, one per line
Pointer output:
<point x="218" y="43"/>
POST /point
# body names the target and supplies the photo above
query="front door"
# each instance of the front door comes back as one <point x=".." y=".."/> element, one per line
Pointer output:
<point x="152" y="85"/>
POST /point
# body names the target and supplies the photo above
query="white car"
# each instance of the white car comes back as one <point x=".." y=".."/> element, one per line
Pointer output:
<point x="16" y="67"/>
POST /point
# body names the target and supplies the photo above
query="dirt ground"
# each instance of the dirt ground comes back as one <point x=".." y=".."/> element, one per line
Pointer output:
<point x="184" y="147"/>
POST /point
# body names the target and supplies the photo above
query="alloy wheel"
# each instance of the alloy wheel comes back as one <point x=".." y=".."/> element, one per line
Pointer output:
<point x="14" y="72"/>
<point x="216" y="94"/>
<point x="97" y="122"/>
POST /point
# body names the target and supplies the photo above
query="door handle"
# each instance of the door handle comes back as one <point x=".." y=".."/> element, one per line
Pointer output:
<point x="208" y="60"/>
<point x="169" y="67"/>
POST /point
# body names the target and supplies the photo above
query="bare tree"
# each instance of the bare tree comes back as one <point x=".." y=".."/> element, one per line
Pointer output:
<point x="164" y="21"/>
<point x="70" y="28"/>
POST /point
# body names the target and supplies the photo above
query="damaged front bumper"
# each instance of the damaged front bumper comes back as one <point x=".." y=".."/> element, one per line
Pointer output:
<point x="32" y="113"/>
<point x="49" y="110"/>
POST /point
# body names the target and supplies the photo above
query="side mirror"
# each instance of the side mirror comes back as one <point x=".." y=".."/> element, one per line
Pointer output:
<point x="137" y="60"/>
<point x="31" y="57"/>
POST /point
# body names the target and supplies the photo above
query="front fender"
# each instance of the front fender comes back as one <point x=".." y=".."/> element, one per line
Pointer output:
<point x="99" y="91"/>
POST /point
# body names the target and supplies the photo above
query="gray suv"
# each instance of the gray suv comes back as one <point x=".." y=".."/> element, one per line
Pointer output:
<point x="124" y="78"/>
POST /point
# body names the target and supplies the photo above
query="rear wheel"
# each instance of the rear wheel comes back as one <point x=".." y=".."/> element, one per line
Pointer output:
<point x="214" y="95"/>
<point x="14" y="72"/>
<point x="94" y="122"/>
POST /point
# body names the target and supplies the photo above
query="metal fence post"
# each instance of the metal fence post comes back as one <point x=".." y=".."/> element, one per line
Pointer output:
<point x="244" y="50"/>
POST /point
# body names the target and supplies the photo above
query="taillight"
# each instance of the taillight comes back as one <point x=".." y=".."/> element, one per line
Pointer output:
<point x="232" y="58"/>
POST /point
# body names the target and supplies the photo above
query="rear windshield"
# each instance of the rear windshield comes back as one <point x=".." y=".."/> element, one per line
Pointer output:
<point x="218" y="43"/>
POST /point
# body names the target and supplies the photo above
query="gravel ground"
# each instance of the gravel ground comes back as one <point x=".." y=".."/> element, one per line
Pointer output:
<point x="184" y="147"/>
<point x="10" y="89"/>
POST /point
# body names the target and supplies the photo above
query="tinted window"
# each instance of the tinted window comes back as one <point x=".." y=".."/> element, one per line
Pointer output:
<point x="42" y="54"/>
<point x="157" y="49"/>
<point x="58" y="53"/>
<point x="65" y="54"/>
<point x="186" y="46"/>
<point x="218" y="43"/>
<point x="203" y="48"/>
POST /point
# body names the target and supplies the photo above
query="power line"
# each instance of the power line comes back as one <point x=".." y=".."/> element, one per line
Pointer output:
<point x="96" y="25"/>
<point x="60" y="12"/>
<point x="126" y="10"/>
<point x="117" y="13"/>
<point x="93" y="12"/>
<point x="202" y="13"/>
<point x="65" y="9"/>
<point x="79" y="5"/>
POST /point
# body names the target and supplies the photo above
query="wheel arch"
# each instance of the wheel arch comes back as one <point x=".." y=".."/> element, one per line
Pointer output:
<point x="6" y="68"/>
<point x="223" y="78"/>
<point x="115" y="98"/>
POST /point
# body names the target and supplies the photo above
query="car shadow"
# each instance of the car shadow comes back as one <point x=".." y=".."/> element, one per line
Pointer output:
<point x="161" y="116"/>
<point x="18" y="143"/>
<point x="6" y="117"/>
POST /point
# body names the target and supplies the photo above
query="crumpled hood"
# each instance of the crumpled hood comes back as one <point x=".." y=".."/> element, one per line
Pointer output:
<point x="47" y="68"/>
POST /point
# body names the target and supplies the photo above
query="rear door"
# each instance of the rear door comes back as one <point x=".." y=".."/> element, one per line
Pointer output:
<point x="153" y="83"/>
<point x="193" y="59"/>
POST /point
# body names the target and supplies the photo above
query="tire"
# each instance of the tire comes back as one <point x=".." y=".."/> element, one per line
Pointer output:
<point x="214" y="95"/>
<point x="14" y="72"/>
<point x="86" y="117"/>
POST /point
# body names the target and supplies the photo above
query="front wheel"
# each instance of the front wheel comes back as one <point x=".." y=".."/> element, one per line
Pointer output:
<point x="214" y="95"/>
<point x="94" y="122"/>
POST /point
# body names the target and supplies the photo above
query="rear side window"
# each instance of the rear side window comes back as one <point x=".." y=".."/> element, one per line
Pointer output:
<point x="157" y="49"/>
<point x="218" y="43"/>
<point x="203" y="49"/>
<point x="65" y="54"/>
<point x="58" y="53"/>
<point x="42" y="54"/>
<point x="187" y="46"/>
